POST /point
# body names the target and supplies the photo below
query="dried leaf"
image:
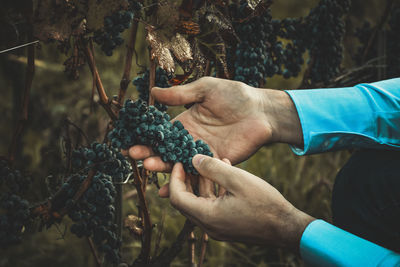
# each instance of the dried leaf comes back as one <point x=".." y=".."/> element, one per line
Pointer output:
<point x="161" y="48"/>
<point x="160" y="51"/>
<point x="253" y="3"/>
<point x="132" y="223"/>
<point x="188" y="27"/>
<point x="180" y="47"/>
<point x="97" y="10"/>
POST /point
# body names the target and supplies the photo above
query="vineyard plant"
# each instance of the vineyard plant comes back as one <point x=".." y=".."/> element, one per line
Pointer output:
<point x="65" y="174"/>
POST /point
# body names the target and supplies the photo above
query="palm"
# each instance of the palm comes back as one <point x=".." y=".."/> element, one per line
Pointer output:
<point x="228" y="120"/>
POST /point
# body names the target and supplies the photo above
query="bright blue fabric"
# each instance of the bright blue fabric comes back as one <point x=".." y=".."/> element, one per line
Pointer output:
<point x="323" y="244"/>
<point x="363" y="116"/>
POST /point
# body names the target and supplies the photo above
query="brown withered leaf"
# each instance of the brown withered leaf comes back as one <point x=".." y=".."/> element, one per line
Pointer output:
<point x="159" y="50"/>
<point x="180" y="47"/>
<point x="188" y="27"/>
<point x="162" y="48"/>
<point x="253" y="3"/>
<point x="97" y="10"/>
<point x="132" y="223"/>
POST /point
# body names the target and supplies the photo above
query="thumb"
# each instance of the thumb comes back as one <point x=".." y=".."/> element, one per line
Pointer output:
<point x="181" y="94"/>
<point x="218" y="171"/>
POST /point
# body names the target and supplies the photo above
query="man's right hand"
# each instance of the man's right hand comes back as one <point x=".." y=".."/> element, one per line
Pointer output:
<point x="234" y="119"/>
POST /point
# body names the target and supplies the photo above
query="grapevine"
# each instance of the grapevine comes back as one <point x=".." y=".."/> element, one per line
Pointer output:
<point x="145" y="125"/>
<point x="142" y="85"/>
<point x="15" y="213"/>
<point x="240" y="40"/>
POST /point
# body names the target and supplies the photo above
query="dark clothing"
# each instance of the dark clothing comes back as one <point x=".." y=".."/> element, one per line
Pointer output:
<point x="366" y="197"/>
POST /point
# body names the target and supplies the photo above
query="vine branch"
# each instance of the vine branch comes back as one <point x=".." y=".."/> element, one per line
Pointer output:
<point x="128" y="63"/>
<point x="23" y="116"/>
<point x="168" y="255"/>
<point x="144" y="255"/>
<point x="104" y="100"/>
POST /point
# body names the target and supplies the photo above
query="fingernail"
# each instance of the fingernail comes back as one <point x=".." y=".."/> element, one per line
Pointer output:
<point x="197" y="159"/>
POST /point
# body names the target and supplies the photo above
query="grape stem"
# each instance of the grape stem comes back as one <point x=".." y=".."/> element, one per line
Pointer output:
<point x="168" y="255"/>
<point x="192" y="249"/>
<point x="128" y="63"/>
<point x="104" y="100"/>
<point x="204" y="242"/>
<point x="94" y="252"/>
<point x="144" y="213"/>
<point x="152" y="79"/>
<point x="30" y="72"/>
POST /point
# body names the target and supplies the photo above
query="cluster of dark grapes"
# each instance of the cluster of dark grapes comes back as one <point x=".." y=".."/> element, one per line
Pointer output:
<point x="259" y="54"/>
<point x="293" y="30"/>
<point x="145" y="125"/>
<point x="325" y="31"/>
<point x="110" y="36"/>
<point x="142" y="85"/>
<point x="15" y="213"/>
<point x="104" y="159"/>
<point x="93" y="213"/>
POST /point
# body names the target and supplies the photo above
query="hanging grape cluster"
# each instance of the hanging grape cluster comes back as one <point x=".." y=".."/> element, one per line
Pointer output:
<point x="145" y="125"/>
<point x="15" y="213"/>
<point x="142" y="83"/>
<point x="259" y="54"/>
<point x="94" y="212"/>
<point x="325" y="28"/>
<point x="110" y="36"/>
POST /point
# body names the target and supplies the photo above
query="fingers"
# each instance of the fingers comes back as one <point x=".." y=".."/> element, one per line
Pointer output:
<point x="164" y="191"/>
<point x="184" y="200"/>
<point x="140" y="152"/>
<point x="181" y="94"/>
<point x="206" y="187"/>
<point x="222" y="190"/>
<point x="155" y="164"/>
<point x="218" y="171"/>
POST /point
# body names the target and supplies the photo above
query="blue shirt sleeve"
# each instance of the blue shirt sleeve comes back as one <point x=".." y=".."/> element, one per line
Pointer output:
<point x="323" y="244"/>
<point x="363" y="116"/>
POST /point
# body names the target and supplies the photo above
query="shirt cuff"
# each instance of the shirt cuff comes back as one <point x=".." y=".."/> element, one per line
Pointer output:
<point x="323" y="244"/>
<point x="363" y="116"/>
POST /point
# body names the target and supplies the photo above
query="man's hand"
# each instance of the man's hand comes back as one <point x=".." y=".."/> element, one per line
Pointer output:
<point x="233" y="118"/>
<point x="251" y="210"/>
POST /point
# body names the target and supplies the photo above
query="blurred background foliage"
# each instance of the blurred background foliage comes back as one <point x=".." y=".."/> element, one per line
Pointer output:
<point x="304" y="181"/>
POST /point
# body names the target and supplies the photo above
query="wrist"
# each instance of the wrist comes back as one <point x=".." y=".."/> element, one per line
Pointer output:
<point x="296" y="225"/>
<point x="281" y="115"/>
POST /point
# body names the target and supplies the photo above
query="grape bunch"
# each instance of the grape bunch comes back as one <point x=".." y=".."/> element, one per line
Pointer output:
<point x="93" y="214"/>
<point x="15" y="213"/>
<point x="325" y="28"/>
<point x="294" y="31"/>
<point x="110" y="36"/>
<point x="259" y="54"/>
<point x="142" y="85"/>
<point x="145" y="125"/>
<point x="104" y="159"/>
